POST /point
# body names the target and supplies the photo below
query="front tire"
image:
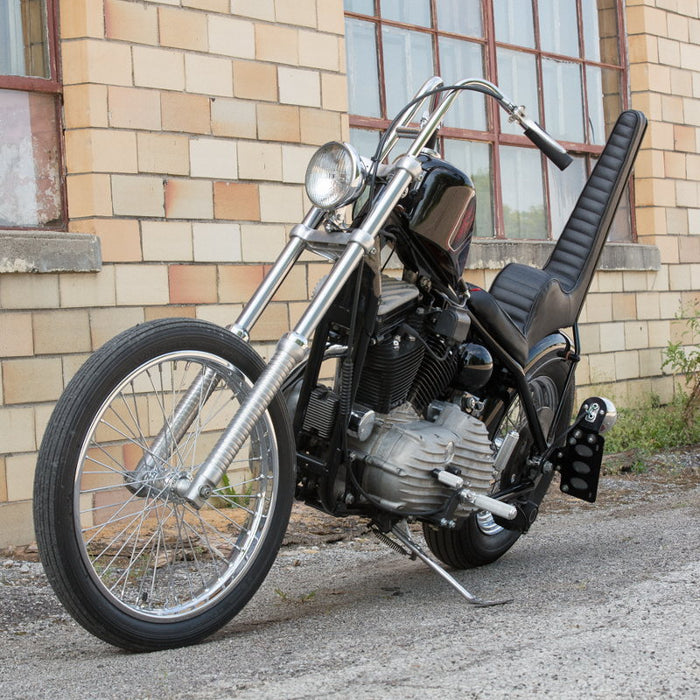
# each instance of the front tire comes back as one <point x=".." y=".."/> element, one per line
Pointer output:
<point x="134" y="563"/>
<point x="478" y="539"/>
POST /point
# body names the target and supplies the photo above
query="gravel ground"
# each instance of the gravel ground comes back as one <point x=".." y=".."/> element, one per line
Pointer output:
<point x="606" y="606"/>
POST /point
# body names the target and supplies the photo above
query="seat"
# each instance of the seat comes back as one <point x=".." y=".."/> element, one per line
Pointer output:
<point x="525" y="304"/>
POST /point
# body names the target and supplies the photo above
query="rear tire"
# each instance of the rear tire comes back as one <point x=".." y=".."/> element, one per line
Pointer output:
<point x="478" y="539"/>
<point x="135" y="564"/>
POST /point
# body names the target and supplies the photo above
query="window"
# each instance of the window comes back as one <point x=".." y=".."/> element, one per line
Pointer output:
<point x="30" y="157"/>
<point x="563" y="59"/>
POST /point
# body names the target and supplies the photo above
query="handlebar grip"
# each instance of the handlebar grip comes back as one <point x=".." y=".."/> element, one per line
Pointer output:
<point x="554" y="151"/>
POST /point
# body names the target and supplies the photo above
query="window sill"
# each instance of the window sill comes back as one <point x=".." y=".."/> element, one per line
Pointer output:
<point x="493" y="255"/>
<point x="49" y="251"/>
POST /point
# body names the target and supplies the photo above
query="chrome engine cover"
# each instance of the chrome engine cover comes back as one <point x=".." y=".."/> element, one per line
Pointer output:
<point x="404" y="449"/>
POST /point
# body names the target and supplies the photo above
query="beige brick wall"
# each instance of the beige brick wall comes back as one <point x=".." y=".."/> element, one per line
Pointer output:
<point x="188" y="127"/>
<point x="189" y="124"/>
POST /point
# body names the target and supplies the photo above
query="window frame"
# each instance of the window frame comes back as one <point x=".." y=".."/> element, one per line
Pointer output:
<point x="494" y="136"/>
<point x="52" y="85"/>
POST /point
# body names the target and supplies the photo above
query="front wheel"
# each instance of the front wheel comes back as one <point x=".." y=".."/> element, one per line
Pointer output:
<point x="479" y="540"/>
<point x="134" y="563"/>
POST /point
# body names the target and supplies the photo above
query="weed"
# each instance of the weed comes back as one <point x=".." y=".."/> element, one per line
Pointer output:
<point x="304" y="598"/>
<point x="228" y="496"/>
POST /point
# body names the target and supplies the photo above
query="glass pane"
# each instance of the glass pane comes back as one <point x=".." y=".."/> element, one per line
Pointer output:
<point x="558" y="27"/>
<point x="604" y="101"/>
<point x="29" y="173"/>
<point x="564" y="189"/>
<point x="475" y="160"/>
<point x="23" y="44"/>
<point x="407" y="11"/>
<point x="600" y="33"/>
<point x="463" y="59"/>
<point x="563" y="99"/>
<point x="365" y="141"/>
<point x="514" y="24"/>
<point x="523" y="193"/>
<point x="363" y="72"/>
<point x="460" y="17"/>
<point x="363" y="7"/>
<point x="517" y="77"/>
<point x="408" y="63"/>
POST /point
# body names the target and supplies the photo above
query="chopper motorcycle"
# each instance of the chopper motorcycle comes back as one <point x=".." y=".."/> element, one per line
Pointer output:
<point x="168" y="469"/>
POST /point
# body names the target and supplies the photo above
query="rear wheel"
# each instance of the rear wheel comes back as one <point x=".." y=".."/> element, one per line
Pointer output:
<point x="479" y="539"/>
<point x="133" y="562"/>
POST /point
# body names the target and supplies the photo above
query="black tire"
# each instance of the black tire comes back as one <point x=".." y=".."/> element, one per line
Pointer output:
<point x="478" y="539"/>
<point x="135" y="564"/>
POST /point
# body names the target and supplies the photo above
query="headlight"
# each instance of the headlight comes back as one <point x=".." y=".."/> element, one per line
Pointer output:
<point x="335" y="176"/>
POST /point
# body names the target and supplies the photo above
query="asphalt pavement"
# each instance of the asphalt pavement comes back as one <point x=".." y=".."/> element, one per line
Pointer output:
<point x="606" y="605"/>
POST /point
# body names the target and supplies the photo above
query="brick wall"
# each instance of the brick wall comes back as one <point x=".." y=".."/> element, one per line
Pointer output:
<point x="189" y="124"/>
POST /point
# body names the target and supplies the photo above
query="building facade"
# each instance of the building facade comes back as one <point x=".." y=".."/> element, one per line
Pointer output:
<point x="152" y="157"/>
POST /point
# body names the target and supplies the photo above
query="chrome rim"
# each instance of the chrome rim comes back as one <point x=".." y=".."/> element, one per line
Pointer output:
<point x="151" y="553"/>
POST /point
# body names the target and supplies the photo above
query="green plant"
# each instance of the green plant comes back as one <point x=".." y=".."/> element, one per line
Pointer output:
<point x="683" y="358"/>
<point x="229" y="497"/>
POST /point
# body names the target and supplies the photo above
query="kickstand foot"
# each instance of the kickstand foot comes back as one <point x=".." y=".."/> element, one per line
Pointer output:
<point x="403" y="535"/>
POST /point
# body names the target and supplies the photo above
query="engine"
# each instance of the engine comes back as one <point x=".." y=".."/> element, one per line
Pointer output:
<point x="403" y="450"/>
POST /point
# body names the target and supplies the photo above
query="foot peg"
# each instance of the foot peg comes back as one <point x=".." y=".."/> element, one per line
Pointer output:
<point x="580" y="458"/>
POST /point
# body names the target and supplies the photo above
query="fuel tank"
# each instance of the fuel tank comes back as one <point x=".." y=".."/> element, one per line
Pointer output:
<point x="440" y="211"/>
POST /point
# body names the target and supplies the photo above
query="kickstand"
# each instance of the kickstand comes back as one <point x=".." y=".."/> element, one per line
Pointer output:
<point x="403" y="535"/>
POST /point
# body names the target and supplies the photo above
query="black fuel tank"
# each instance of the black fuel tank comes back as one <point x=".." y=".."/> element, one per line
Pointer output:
<point x="440" y="211"/>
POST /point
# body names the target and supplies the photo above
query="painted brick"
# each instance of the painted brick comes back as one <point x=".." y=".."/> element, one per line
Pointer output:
<point x="106" y="323"/>
<point x="214" y="5"/>
<point x="334" y="92"/>
<point x="624" y="306"/>
<point x="299" y="86"/>
<point x="262" y="242"/>
<point x="167" y="240"/>
<point x="100" y="150"/>
<point x="192" y="284"/>
<point x="295" y="160"/>
<point x="185" y="113"/>
<point x="16" y="524"/>
<point x="208" y="75"/>
<point x="220" y="314"/>
<point x="255" y="81"/>
<point x="599" y="308"/>
<point x="217" y="242"/>
<point x="659" y="333"/>
<point x="319" y="127"/>
<point x="29" y="291"/>
<point x="17" y="429"/>
<point x="681" y="82"/>
<point x="259" y="9"/>
<point x="158" y="68"/>
<point x="627" y="365"/>
<point x="612" y="337"/>
<point x="61" y="332"/>
<point x="32" y="380"/>
<point x="188" y="199"/>
<point x="20" y="476"/>
<point x="88" y="195"/>
<point x="636" y="335"/>
<point x="679" y="277"/>
<point x="273" y="323"/>
<point x="689" y="249"/>
<point x="648" y="305"/>
<point x="96" y="61"/>
<point x="235" y="118"/>
<point x="139" y="285"/>
<point x="318" y="50"/>
<point x="213" y="158"/>
<point x="182" y="29"/>
<point x="130" y="21"/>
<point x="170" y="311"/>
<point x="237" y="201"/>
<point x="294" y="286"/>
<point x="137" y="195"/>
<point x="238" y="282"/>
<point x="278" y="122"/>
<point x="299" y="12"/>
<point x="163" y="153"/>
<point x="134" y="108"/>
<point x="81" y="18"/>
<point x="281" y="203"/>
<point x="590" y="340"/>
<point x="16" y="338"/>
<point x="259" y="161"/>
<point x="97" y="287"/>
<point x="231" y="37"/>
<point x="84" y="105"/>
<point x="602" y="368"/>
<point x="119" y="238"/>
<point x="276" y="44"/>
<point x="3" y="488"/>
<point x="329" y="16"/>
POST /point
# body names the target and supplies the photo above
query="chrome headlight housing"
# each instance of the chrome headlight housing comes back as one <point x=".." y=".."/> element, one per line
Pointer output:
<point x="335" y="176"/>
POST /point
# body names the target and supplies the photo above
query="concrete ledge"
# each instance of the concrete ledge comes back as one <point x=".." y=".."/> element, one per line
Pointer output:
<point x="493" y="255"/>
<point x="49" y="251"/>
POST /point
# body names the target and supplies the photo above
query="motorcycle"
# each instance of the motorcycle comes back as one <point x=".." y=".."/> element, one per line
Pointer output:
<point x="168" y="469"/>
